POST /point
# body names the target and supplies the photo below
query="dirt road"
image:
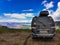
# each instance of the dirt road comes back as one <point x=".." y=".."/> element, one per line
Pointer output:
<point x="22" y="38"/>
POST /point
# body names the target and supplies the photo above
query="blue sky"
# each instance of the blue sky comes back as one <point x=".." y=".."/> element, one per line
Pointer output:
<point x="25" y="10"/>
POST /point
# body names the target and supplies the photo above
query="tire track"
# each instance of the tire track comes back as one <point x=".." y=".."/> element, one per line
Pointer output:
<point x="25" y="42"/>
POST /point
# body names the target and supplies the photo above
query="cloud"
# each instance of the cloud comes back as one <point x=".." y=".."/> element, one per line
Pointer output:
<point x="20" y="16"/>
<point x="44" y="1"/>
<point x="48" y="5"/>
<point x="29" y="15"/>
<point x="14" y="15"/>
<point x="56" y="14"/>
<point x="28" y="10"/>
<point x="15" y="20"/>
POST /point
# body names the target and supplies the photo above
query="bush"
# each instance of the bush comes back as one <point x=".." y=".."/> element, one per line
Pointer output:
<point x="58" y="30"/>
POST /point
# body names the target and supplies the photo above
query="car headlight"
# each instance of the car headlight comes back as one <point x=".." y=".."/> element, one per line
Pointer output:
<point x="52" y="28"/>
<point x="33" y="27"/>
<point x="34" y="23"/>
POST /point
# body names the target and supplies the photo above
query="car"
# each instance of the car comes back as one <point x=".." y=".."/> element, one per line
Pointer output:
<point x="43" y="26"/>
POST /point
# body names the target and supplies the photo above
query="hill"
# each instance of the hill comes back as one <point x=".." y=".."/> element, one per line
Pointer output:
<point x="57" y="23"/>
<point x="16" y="25"/>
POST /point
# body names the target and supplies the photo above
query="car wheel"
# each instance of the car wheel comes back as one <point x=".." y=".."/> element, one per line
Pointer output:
<point x="50" y="37"/>
<point x="33" y="37"/>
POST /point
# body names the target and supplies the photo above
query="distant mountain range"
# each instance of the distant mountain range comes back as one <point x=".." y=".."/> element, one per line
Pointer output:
<point x="57" y="23"/>
<point x="15" y="25"/>
<point x="20" y="25"/>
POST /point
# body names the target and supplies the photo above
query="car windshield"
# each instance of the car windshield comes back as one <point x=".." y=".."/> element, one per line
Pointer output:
<point x="43" y="23"/>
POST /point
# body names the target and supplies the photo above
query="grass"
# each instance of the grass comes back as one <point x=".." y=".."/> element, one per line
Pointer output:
<point x="6" y="29"/>
<point x="58" y="30"/>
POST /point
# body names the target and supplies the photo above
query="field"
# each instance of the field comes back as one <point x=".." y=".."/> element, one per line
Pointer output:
<point x="23" y="37"/>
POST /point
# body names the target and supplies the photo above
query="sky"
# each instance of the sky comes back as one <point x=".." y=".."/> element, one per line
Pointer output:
<point x="25" y="10"/>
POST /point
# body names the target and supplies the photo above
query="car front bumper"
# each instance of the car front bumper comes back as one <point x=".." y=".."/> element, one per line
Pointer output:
<point x="43" y="35"/>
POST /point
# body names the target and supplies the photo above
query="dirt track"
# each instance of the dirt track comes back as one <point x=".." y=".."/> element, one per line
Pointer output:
<point x="19" y="38"/>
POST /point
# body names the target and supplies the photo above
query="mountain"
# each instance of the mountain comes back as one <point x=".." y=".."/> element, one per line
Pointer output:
<point x="57" y="23"/>
<point x="15" y="25"/>
<point x="18" y="25"/>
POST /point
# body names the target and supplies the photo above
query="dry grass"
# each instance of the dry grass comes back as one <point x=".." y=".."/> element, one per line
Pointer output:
<point x="18" y="38"/>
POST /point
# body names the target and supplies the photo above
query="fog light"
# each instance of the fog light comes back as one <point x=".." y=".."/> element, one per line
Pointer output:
<point x="52" y="27"/>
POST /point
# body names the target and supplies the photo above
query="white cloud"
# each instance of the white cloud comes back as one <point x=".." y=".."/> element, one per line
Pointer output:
<point x="15" y="20"/>
<point x="28" y="10"/>
<point x="44" y="1"/>
<point x="56" y="14"/>
<point x="9" y="20"/>
<point x="48" y="5"/>
<point x="29" y="15"/>
<point x="22" y="15"/>
<point x="14" y="15"/>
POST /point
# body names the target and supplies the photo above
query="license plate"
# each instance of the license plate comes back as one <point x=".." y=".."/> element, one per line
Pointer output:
<point x="43" y="32"/>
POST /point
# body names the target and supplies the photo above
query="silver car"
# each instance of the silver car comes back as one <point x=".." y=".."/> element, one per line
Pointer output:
<point x="43" y="26"/>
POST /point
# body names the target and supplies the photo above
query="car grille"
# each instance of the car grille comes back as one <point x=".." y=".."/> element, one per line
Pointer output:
<point x="43" y="31"/>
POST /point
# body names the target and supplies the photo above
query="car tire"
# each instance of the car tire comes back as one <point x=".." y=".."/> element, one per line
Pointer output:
<point x="50" y="37"/>
<point x="33" y="37"/>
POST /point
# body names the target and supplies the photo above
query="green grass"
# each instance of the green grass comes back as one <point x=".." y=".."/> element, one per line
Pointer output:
<point x="58" y="30"/>
<point x="6" y="29"/>
<point x="14" y="30"/>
